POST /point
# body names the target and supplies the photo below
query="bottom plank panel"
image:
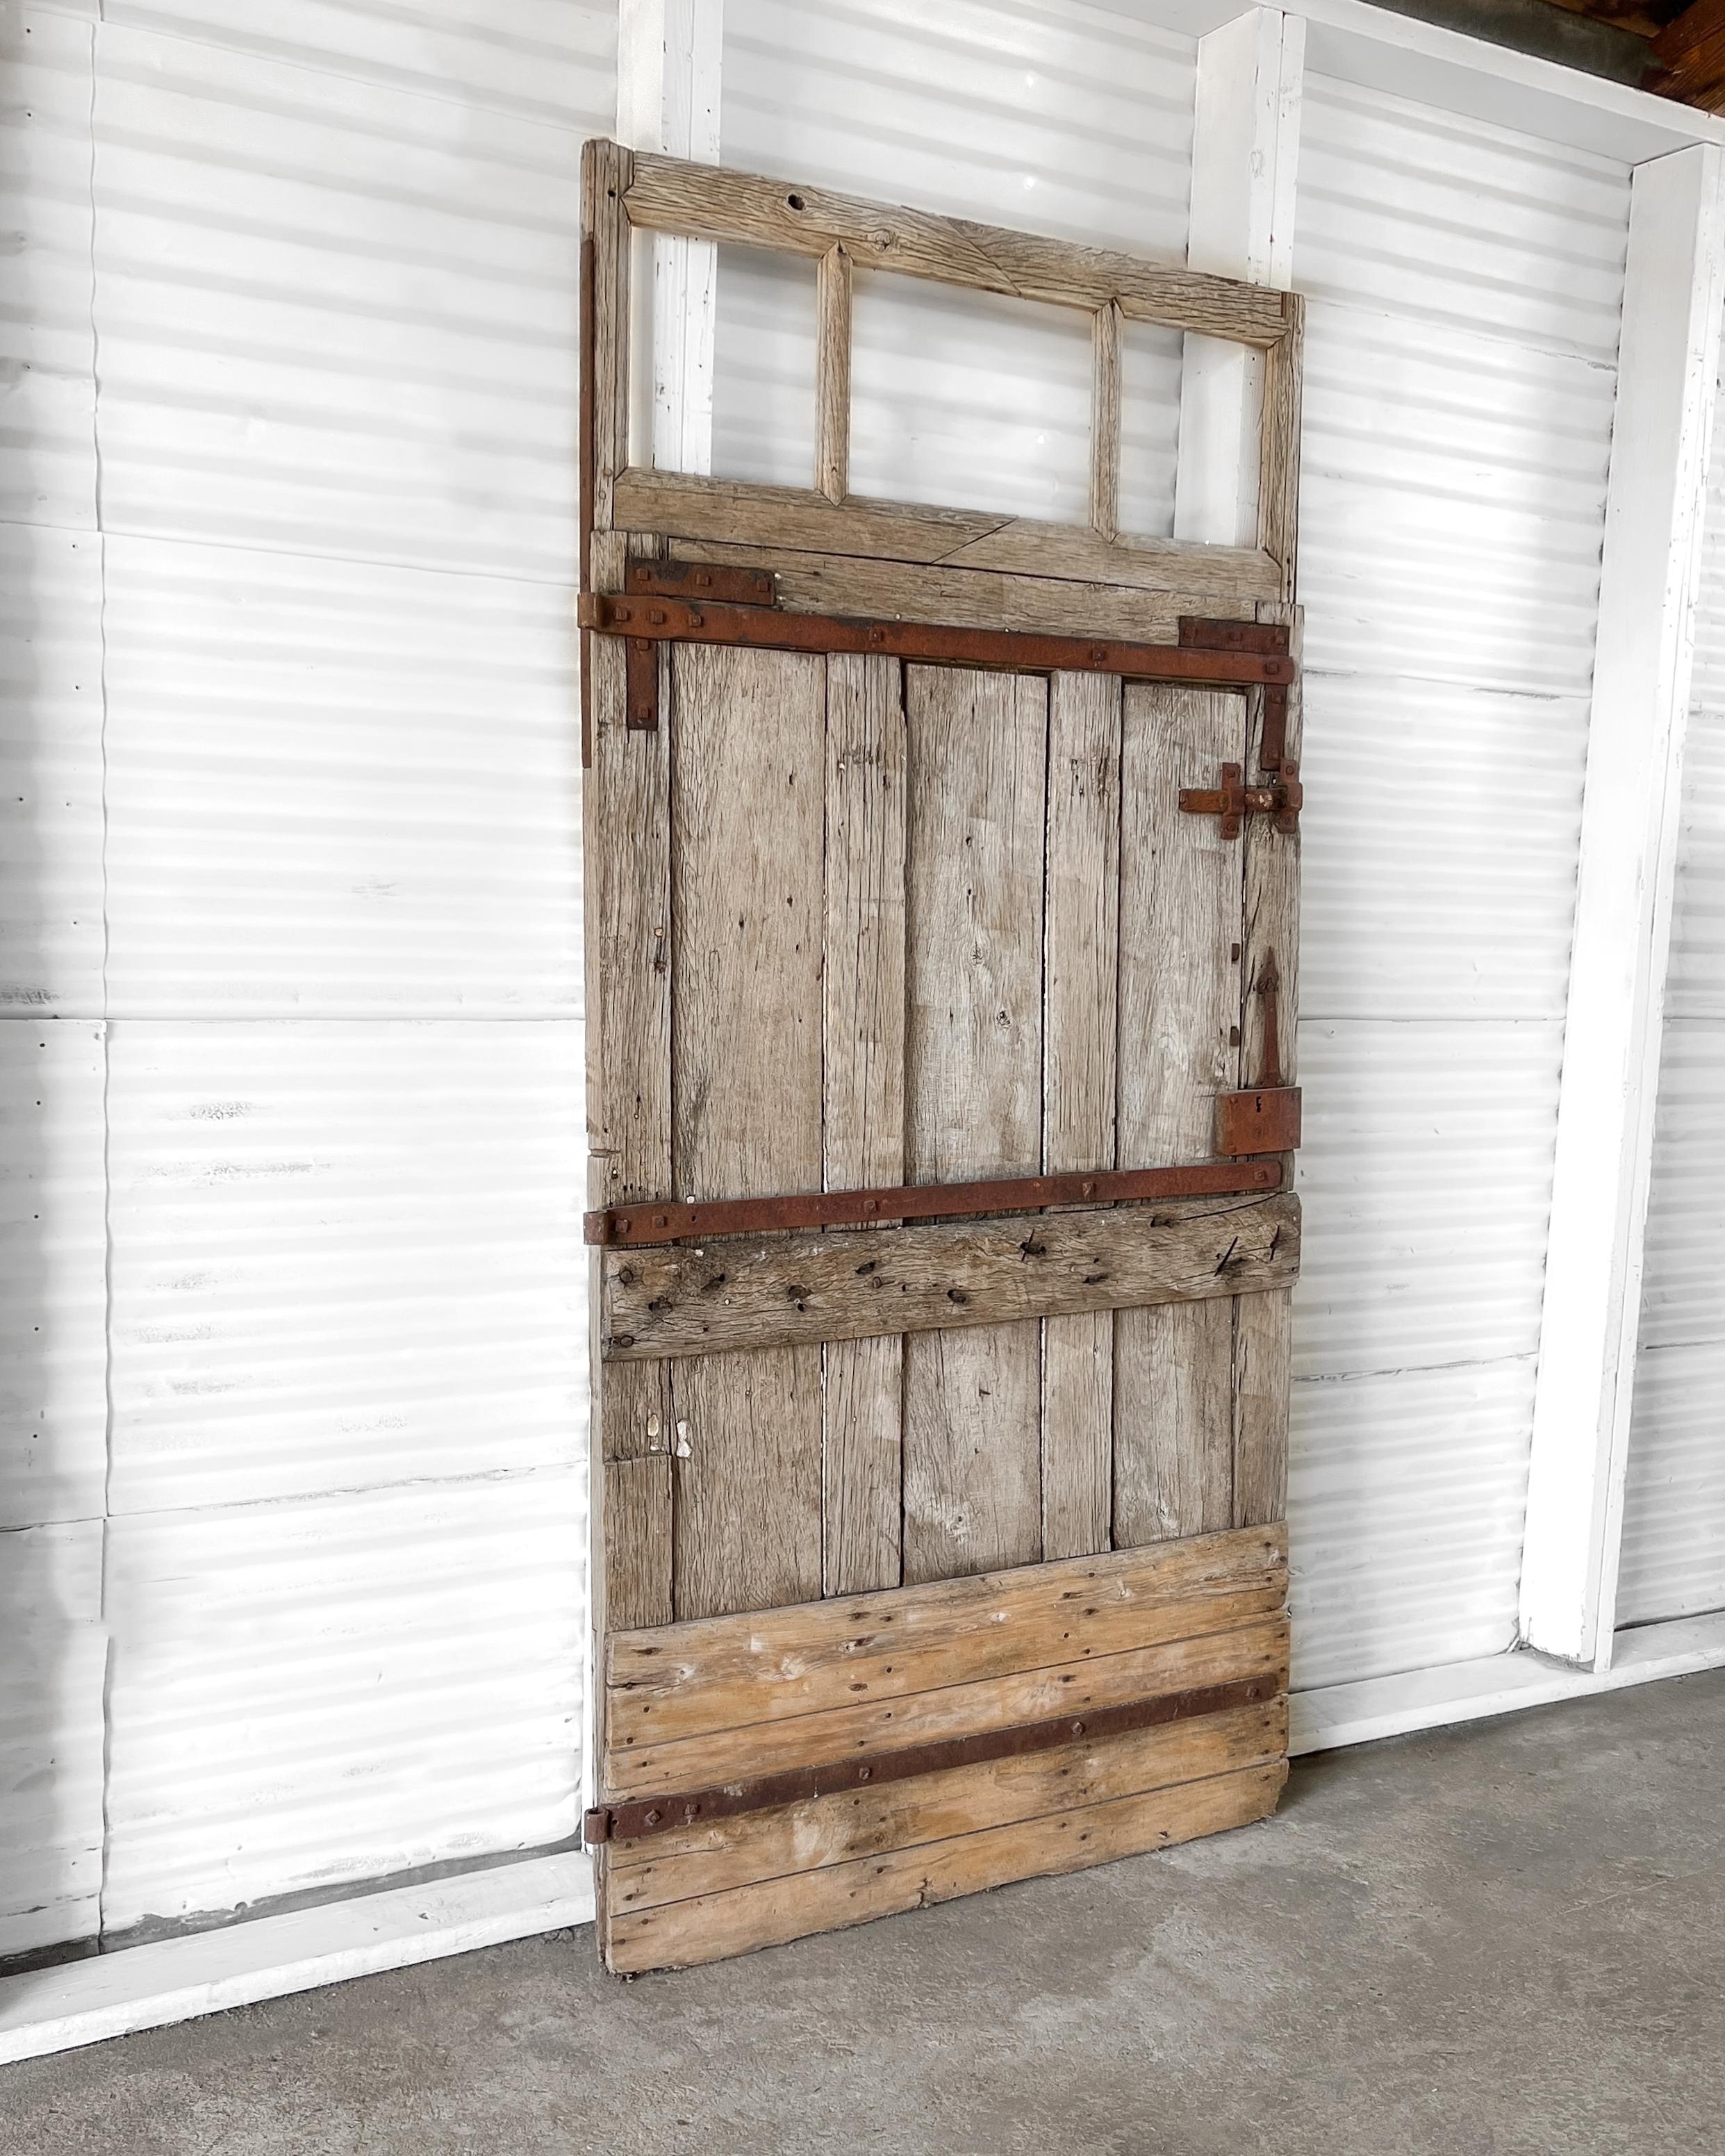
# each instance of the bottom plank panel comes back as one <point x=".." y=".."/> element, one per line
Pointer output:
<point x="690" y="1862"/>
<point x="711" y="1927"/>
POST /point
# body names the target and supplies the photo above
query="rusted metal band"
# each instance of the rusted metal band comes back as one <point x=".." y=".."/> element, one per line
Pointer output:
<point x="633" y="1227"/>
<point x="643" y="1817"/>
<point x="766" y="628"/>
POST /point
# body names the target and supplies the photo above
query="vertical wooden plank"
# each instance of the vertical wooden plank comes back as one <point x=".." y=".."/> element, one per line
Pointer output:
<point x="1105" y="422"/>
<point x="1263" y="1324"/>
<point x="832" y="374"/>
<point x="747" y="765"/>
<point x="1080" y="938"/>
<point x="1279" y="468"/>
<point x="977" y="755"/>
<point x="863" y="1403"/>
<point x="605" y="171"/>
<point x="1181" y="927"/>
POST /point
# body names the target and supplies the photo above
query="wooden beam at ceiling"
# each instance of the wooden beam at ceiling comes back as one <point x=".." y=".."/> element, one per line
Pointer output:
<point x="1690" y="54"/>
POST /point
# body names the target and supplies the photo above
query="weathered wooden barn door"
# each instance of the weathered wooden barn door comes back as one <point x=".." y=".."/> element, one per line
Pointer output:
<point x="941" y="913"/>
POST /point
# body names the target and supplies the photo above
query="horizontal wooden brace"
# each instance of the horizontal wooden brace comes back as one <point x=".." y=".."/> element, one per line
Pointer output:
<point x="691" y="505"/>
<point x="787" y="1290"/>
<point x="766" y="628"/>
<point x="634" y="1227"/>
<point x="667" y="194"/>
<point x="665" y="1814"/>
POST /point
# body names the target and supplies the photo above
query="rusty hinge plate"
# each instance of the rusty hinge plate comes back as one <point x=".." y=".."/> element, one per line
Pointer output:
<point x="1197" y="633"/>
<point x="1263" y="1122"/>
<point x="634" y="1226"/>
<point x="644" y="1816"/>
<point x="1233" y="800"/>
<point x="702" y="580"/>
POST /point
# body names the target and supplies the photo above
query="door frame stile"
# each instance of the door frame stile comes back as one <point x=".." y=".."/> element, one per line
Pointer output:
<point x="1667" y="376"/>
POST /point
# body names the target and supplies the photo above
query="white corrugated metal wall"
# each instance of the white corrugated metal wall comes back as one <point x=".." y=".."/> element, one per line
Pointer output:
<point x="1464" y="285"/>
<point x="1674" y="1498"/>
<point x="292" y="1067"/>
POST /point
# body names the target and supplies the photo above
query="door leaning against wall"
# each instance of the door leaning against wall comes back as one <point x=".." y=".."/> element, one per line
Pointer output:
<point x="941" y="883"/>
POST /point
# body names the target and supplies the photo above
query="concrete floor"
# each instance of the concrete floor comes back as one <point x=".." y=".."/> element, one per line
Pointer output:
<point x="1509" y="1938"/>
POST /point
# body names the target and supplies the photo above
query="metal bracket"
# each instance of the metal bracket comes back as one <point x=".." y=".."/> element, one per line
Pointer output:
<point x="1233" y="800"/>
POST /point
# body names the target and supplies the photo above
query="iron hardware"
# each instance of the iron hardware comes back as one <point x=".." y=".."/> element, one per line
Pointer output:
<point x="1233" y="800"/>
<point x="636" y="1226"/>
<point x="702" y="580"/>
<point x="768" y="629"/>
<point x="646" y="1816"/>
<point x="1265" y="1119"/>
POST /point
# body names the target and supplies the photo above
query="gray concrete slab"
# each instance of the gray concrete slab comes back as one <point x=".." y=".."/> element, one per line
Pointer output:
<point x="1506" y="1939"/>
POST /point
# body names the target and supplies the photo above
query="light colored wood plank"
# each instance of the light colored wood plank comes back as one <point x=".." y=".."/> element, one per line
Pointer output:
<point x="864" y="1075"/>
<point x="1105" y="422"/>
<point x="715" y="1926"/>
<point x="667" y="195"/>
<point x="977" y="751"/>
<point x="727" y="1670"/>
<point x="1080" y="938"/>
<point x="832" y="375"/>
<point x="748" y="758"/>
<point x="684" y="505"/>
<point x="1255" y="1647"/>
<point x="1263" y="1325"/>
<point x="973" y="1277"/>
<point x="838" y="1829"/>
<point x="627" y="869"/>
<point x="970" y="598"/>
<point x="637" y="1544"/>
<point x="1181" y="921"/>
<point x="1279" y="463"/>
<point x="606" y="169"/>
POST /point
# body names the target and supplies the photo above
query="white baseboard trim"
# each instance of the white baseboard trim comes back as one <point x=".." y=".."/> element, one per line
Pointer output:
<point x="146" y="1987"/>
<point x="1361" y="1713"/>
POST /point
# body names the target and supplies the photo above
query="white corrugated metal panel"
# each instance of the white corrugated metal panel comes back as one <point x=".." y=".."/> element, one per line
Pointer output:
<point x="51" y="1678"/>
<point x="1370" y="1456"/>
<point x="1438" y="858"/>
<point x="50" y="771"/>
<point x="336" y="318"/>
<point x="1673" y="1563"/>
<point x="339" y="1688"/>
<point x="48" y="468"/>
<point x="1425" y="1184"/>
<point x="52" y="1351"/>
<point x="344" y="1255"/>
<point x="1057" y="116"/>
<point x="1465" y="287"/>
<point x="338" y="787"/>
<point x="328" y="255"/>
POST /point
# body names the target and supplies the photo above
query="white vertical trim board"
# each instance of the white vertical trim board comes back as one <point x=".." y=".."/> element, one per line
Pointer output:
<point x="1245" y="148"/>
<point x="1667" y="368"/>
<point x="668" y="57"/>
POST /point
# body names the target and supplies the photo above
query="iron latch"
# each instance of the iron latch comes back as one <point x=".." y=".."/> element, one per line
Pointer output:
<point x="1233" y="800"/>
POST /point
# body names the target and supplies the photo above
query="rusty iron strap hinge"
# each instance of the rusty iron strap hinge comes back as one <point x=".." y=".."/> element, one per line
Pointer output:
<point x="660" y="1221"/>
<point x="654" y="617"/>
<point x="1265" y="1118"/>
<point x="637" y="1819"/>
<point x="1233" y="800"/>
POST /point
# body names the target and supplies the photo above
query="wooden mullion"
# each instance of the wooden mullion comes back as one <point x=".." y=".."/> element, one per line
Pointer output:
<point x="1105" y="422"/>
<point x="832" y="375"/>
